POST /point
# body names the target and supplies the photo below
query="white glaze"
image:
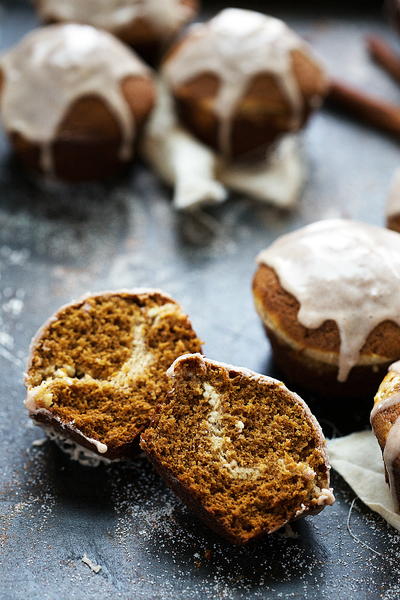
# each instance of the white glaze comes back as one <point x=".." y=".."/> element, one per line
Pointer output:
<point x="167" y="16"/>
<point x="391" y="397"/>
<point x="343" y="271"/>
<point x="395" y="367"/>
<point x="74" y="450"/>
<point x="390" y="453"/>
<point x="393" y="200"/>
<point x="391" y="400"/>
<point x="54" y="66"/>
<point x="236" y="45"/>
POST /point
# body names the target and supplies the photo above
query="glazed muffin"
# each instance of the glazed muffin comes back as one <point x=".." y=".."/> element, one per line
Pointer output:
<point x="328" y="297"/>
<point x="73" y="101"/>
<point x="393" y="203"/>
<point x="98" y="367"/>
<point x="239" y="448"/>
<point x="145" y="24"/>
<point x="385" y="421"/>
<point x="242" y="80"/>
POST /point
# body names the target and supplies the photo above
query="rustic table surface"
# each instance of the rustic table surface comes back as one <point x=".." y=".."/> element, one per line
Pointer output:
<point x="58" y="241"/>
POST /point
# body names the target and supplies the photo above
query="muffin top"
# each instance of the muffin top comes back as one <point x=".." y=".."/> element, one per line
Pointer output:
<point x="237" y="45"/>
<point x="340" y="271"/>
<point x="54" y="66"/>
<point x="166" y="16"/>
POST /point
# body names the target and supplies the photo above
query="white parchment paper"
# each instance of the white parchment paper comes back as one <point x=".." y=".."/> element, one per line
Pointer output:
<point x="358" y="459"/>
<point x="199" y="177"/>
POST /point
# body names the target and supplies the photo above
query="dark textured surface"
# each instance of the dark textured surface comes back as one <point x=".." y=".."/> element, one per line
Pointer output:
<point x="57" y="242"/>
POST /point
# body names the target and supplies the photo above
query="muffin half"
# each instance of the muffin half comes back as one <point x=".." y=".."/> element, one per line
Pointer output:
<point x="239" y="448"/>
<point x="97" y="368"/>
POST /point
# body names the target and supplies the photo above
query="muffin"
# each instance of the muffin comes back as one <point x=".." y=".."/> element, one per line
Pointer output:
<point x="393" y="203"/>
<point x="73" y="100"/>
<point x="239" y="448"/>
<point x="242" y="80"/>
<point x="97" y="368"/>
<point x="328" y="296"/>
<point x="145" y="24"/>
<point x="385" y="421"/>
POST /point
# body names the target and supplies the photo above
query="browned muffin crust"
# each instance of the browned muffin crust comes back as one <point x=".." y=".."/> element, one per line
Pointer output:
<point x="292" y="343"/>
<point x="88" y="140"/>
<point x="98" y="368"/>
<point x="244" y="453"/>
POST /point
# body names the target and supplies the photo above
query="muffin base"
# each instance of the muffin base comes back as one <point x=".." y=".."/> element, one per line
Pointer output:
<point x="320" y="378"/>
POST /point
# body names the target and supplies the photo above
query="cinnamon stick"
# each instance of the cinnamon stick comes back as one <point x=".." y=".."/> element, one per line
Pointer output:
<point x="364" y="107"/>
<point x="384" y="55"/>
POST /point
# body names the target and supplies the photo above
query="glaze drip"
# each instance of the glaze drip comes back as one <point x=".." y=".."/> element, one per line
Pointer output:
<point x="236" y="45"/>
<point x="343" y="271"/>
<point x="167" y="16"/>
<point x="54" y="66"/>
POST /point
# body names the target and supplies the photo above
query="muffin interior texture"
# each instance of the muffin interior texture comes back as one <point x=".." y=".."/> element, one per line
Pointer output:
<point x="100" y="364"/>
<point x="244" y="449"/>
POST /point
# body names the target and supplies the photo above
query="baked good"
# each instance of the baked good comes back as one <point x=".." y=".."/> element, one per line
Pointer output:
<point x="97" y="368"/>
<point x="328" y="297"/>
<point x="393" y="203"/>
<point x="73" y="100"/>
<point x="385" y="421"/>
<point x="239" y="448"/>
<point x="242" y="80"/>
<point x="145" y="24"/>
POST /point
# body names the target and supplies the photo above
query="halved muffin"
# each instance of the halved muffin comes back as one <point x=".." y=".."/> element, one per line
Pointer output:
<point x="97" y="368"/>
<point x="239" y="448"/>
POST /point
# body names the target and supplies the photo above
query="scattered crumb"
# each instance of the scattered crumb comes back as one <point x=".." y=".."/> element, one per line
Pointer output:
<point x="95" y="568"/>
<point x="39" y="442"/>
<point x="289" y="532"/>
